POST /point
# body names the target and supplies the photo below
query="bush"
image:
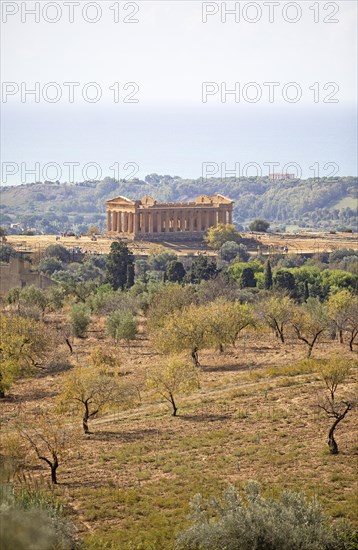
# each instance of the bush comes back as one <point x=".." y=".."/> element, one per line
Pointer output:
<point x="50" y="265"/>
<point x="58" y="251"/>
<point x="122" y="325"/>
<point x="221" y="234"/>
<point x="259" y="225"/>
<point x="175" y="272"/>
<point x="6" y="252"/>
<point x="231" y="250"/>
<point x="104" y="358"/>
<point x="107" y="301"/>
<point x="291" y="522"/>
<point x="33" y="520"/>
<point x="79" y="319"/>
<point x="159" y="262"/>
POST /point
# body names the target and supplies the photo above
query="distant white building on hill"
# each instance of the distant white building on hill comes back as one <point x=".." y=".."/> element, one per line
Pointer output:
<point x="280" y="176"/>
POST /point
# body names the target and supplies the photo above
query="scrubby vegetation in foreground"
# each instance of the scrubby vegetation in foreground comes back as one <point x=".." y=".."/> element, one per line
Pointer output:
<point x="128" y="396"/>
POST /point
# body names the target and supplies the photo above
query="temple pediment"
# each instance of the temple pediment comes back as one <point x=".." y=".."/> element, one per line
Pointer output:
<point x="120" y="200"/>
<point x="221" y="199"/>
<point x="203" y="199"/>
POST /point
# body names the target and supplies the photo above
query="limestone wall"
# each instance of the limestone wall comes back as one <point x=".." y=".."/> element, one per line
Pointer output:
<point x="17" y="273"/>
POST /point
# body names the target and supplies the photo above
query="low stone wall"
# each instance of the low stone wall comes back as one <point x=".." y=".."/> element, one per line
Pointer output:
<point x="178" y="237"/>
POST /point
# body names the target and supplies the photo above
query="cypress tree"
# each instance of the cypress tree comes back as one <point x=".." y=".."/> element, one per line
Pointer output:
<point x="268" y="276"/>
<point x="307" y="292"/>
<point x="247" y="279"/>
<point x="130" y="275"/>
<point x="118" y="261"/>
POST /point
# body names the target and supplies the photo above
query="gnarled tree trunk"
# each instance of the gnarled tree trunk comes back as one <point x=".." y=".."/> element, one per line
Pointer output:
<point x="53" y="465"/>
<point x="194" y="356"/>
<point x="175" y="408"/>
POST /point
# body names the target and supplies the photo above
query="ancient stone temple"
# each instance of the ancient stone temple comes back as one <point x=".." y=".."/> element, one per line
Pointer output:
<point x="152" y="220"/>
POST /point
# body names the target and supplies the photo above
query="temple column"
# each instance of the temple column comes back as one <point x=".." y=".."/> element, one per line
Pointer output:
<point x="151" y="220"/>
<point x="191" y="221"/>
<point x="119" y="222"/>
<point x="199" y="221"/>
<point x="131" y="222"/>
<point x="230" y="217"/>
<point x="142" y="224"/>
<point x="207" y="220"/>
<point x="175" y="221"/>
<point x="159" y="222"/>
<point x="115" y="222"/>
<point x="182" y="220"/>
<point x="136" y="222"/>
<point x="167" y="221"/>
<point x="109" y="221"/>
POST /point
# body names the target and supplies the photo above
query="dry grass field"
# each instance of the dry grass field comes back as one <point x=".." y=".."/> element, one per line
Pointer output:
<point x="300" y="243"/>
<point x="127" y="485"/>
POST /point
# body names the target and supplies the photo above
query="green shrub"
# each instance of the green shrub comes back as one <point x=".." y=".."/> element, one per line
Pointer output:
<point x="79" y="319"/>
<point x="57" y="251"/>
<point x="32" y="521"/>
<point x="289" y="523"/>
<point x="121" y="325"/>
<point x="6" y="252"/>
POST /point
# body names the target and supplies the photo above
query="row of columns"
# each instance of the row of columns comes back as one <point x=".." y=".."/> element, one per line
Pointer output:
<point x="120" y="222"/>
<point x="165" y="220"/>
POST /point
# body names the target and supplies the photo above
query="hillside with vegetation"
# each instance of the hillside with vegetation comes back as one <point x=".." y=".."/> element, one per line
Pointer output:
<point x="325" y="203"/>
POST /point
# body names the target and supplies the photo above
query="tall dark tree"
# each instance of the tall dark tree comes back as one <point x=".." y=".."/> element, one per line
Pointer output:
<point x="202" y="269"/>
<point x="268" y="282"/>
<point x="119" y="259"/>
<point x="284" y="280"/>
<point x="130" y="275"/>
<point x="247" y="279"/>
<point x="175" y="272"/>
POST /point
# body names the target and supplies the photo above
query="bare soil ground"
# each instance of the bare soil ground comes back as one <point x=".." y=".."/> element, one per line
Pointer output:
<point x="128" y="484"/>
<point x="296" y="243"/>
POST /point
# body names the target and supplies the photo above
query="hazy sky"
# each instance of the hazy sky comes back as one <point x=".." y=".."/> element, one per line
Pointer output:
<point x="168" y="54"/>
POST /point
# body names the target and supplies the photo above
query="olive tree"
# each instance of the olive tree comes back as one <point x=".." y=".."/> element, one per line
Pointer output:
<point x="91" y="390"/>
<point x="181" y="330"/>
<point x="334" y="372"/>
<point x="79" y="320"/>
<point x="225" y="321"/>
<point x="343" y="310"/>
<point x="172" y="377"/>
<point x="310" y="322"/>
<point x="24" y="345"/>
<point x="339" y="308"/>
<point x="49" y="438"/>
<point x="276" y="312"/>
<point x="122" y="325"/>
